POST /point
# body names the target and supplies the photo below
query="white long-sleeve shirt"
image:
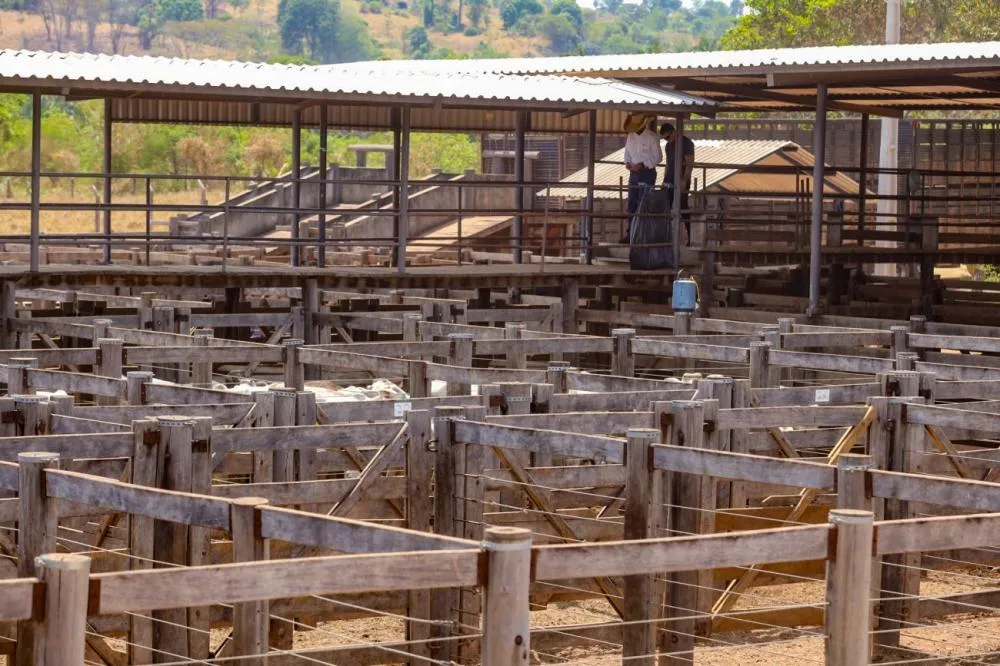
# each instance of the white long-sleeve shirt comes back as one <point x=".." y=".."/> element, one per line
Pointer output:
<point x="644" y="148"/>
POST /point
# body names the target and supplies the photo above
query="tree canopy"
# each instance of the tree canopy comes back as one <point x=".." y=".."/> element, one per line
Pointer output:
<point x="792" y="23"/>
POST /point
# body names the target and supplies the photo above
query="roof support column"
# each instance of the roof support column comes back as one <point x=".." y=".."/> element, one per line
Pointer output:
<point x="517" y="232"/>
<point x="296" y="253"/>
<point x="819" y="178"/>
<point x="404" y="188"/>
<point x="324" y="132"/>
<point x="108" y="128"/>
<point x="394" y="175"/>
<point x="678" y="174"/>
<point x="863" y="173"/>
<point x="588" y="220"/>
<point x="36" y="177"/>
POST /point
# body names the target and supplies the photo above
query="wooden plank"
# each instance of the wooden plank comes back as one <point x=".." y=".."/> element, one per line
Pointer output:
<point x="834" y="362"/>
<point x="591" y="447"/>
<point x="286" y="438"/>
<point x="744" y="467"/>
<point x="771" y="417"/>
<point x="623" y="558"/>
<point x="581" y="422"/>
<point x="690" y="350"/>
<point x="964" y="493"/>
<point x="850" y="394"/>
<point x="350" y="536"/>
<point x="134" y="591"/>
<point x="936" y="533"/>
<point x="178" y="507"/>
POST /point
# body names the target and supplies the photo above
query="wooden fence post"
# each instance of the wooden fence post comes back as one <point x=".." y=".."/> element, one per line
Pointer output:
<point x="251" y="619"/>
<point x="295" y="378"/>
<point x="63" y="630"/>
<point x="172" y="540"/>
<point x="446" y="466"/>
<point x="622" y="359"/>
<point x="8" y="313"/>
<point x="37" y="524"/>
<point x="411" y="326"/>
<point x="419" y="512"/>
<point x="263" y="461"/>
<point x="899" y="340"/>
<point x="515" y="358"/>
<point x="284" y="415"/>
<point x="571" y="306"/>
<point x="506" y="610"/>
<point x="17" y="374"/>
<point x="853" y="486"/>
<point x="201" y="371"/>
<point x="642" y="493"/>
<point x="146" y="471"/>
<point x="760" y="373"/>
<point x="556" y="375"/>
<point x="109" y="354"/>
<point x="416" y="380"/>
<point x="163" y="321"/>
<point x="34" y="413"/>
<point x="200" y="543"/>
<point x="135" y="387"/>
<point x="906" y="361"/>
<point x="848" y="588"/>
<point x="682" y="326"/>
<point x="900" y="573"/>
<point x="739" y="441"/>
<point x="306" y="465"/>
<point x="677" y="642"/>
<point x="460" y="355"/>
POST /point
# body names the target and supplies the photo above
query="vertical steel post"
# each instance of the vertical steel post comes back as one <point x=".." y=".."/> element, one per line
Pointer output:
<point x="588" y="226"/>
<point x="296" y="182"/>
<point x="397" y="137"/>
<point x="863" y="172"/>
<point x="36" y="177"/>
<point x="678" y="174"/>
<point x="404" y="189"/>
<point x="324" y="132"/>
<point x="517" y="232"/>
<point x="819" y="179"/>
<point x="107" y="180"/>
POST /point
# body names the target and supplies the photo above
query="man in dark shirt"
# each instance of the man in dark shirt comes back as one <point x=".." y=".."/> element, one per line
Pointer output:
<point x="669" y="133"/>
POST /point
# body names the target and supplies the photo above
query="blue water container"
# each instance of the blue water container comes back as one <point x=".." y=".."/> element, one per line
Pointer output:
<point x="685" y="297"/>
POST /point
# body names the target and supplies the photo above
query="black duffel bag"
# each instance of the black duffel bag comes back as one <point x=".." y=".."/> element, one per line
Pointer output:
<point x="651" y="226"/>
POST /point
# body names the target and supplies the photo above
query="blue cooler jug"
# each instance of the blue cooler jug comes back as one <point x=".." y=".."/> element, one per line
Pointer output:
<point x="685" y="297"/>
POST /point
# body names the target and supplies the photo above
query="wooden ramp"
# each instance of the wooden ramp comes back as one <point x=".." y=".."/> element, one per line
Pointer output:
<point x="447" y="235"/>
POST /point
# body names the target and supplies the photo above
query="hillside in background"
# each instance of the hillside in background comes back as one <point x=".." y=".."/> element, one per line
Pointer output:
<point x="345" y="30"/>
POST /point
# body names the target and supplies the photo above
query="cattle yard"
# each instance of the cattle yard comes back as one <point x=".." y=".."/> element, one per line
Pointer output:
<point x="529" y="479"/>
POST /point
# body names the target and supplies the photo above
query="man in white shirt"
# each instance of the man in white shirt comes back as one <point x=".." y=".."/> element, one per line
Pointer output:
<point x="642" y="154"/>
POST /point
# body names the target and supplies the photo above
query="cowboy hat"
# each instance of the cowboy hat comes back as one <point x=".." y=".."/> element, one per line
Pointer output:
<point x="635" y="122"/>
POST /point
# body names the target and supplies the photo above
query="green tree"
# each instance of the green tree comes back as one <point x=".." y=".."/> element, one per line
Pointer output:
<point x="416" y="43"/>
<point x="563" y="36"/>
<point x="477" y="11"/>
<point x="308" y="26"/>
<point x="181" y="10"/>
<point x="150" y="22"/>
<point x="794" y="23"/>
<point x="570" y="10"/>
<point x="512" y="11"/>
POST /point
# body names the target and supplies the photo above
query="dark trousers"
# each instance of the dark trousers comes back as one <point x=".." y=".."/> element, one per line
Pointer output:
<point x="685" y="216"/>
<point x="635" y="181"/>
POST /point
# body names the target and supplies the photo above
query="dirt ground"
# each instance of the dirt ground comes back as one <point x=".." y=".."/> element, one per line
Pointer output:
<point x="972" y="638"/>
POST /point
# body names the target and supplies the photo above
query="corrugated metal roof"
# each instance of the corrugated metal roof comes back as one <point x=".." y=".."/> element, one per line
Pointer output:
<point x="975" y="54"/>
<point x="610" y="171"/>
<point x="371" y="84"/>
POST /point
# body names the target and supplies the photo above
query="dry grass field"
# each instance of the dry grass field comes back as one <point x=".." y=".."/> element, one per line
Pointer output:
<point x="24" y="30"/>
